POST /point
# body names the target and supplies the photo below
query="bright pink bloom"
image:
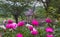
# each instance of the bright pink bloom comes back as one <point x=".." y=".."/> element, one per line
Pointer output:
<point x="30" y="27"/>
<point x="49" y="35"/>
<point x="35" y="22"/>
<point x="10" y="21"/>
<point x="48" y="20"/>
<point x="19" y="35"/>
<point x="49" y="29"/>
<point x="11" y="26"/>
<point x="8" y="26"/>
<point x="14" y="25"/>
<point x="21" y="23"/>
<point x="34" y="32"/>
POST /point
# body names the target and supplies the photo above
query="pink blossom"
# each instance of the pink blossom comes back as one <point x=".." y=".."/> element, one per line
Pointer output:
<point x="14" y="25"/>
<point x="11" y="26"/>
<point x="8" y="26"/>
<point x="30" y="27"/>
<point x="48" y="20"/>
<point x="21" y="23"/>
<point x="49" y="35"/>
<point x="35" y="22"/>
<point x="49" y="29"/>
<point x="19" y="35"/>
<point x="34" y="32"/>
<point x="10" y="21"/>
<point x="34" y="29"/>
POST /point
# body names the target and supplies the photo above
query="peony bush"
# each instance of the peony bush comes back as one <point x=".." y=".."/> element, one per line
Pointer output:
<point x="34" y="29"/>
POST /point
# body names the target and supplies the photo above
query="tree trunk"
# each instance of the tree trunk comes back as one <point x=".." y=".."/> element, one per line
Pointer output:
<point x="46" y="5"/>
<point x="16" y="18"/>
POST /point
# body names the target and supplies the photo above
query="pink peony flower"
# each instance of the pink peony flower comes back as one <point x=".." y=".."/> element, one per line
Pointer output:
<point x="48" y="20"/>
<point x="10" y="21"/>
<point x="35" y="22"/>
<point x="21" y="23"/>
<point x="14" y="25"/>
<point x="8" y="26"/>
<point x="30" y="27"/>
<point x="49" y="35"/>
<point x="11" y="26"/>
<point x="19" y="35"/>
<point x="34" y="32"/>
<point x="49" y="29"/>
